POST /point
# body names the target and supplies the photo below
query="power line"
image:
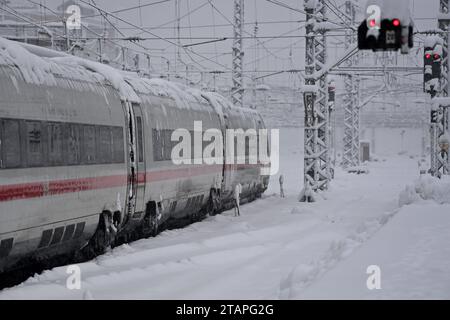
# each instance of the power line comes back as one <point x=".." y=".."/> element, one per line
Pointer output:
<point x="251" y="35"/>
<point x="202" y="38"/>
<point x="154" y="35"/>
<point x="100" y="37"/>
<point x="171" y="21"/>
<point x="281" y="4"/>
<point x="216" y="25"/>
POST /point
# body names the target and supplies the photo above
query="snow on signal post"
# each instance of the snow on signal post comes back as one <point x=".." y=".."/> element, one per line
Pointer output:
<point x="387" y="27"/>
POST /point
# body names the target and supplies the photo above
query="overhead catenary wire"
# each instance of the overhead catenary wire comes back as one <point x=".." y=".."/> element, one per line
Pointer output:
<point x="151" y="33"/>
<point x="214" y="39"/>
<point x="146" y="52"/>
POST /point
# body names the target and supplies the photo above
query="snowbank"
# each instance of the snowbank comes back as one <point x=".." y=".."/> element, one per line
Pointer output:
<point x="426" y="188"/>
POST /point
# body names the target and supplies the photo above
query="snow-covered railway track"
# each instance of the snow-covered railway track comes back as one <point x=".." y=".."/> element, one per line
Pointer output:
<point x="275" y="249"/>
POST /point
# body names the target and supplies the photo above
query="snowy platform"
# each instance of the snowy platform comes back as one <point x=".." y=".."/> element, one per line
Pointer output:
<point x="282" y="249"/>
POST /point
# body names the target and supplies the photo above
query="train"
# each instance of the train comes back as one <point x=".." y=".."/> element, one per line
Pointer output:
<point x="85" y="156"/>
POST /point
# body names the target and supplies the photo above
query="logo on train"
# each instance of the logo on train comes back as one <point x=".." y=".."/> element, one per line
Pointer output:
<point x="241" y="147"/>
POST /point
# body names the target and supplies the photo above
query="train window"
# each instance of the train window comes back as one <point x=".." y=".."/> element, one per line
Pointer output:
<point x="89" y="144"/>
<point x="55" y="143"/>
<point x="192" y="133"/>
<point x="73" y="143"/>
<point x="10" y="144"/>
<point x="140" y="141"/>
<point x="118" y="147"/>
<point x="157" y="145"/>
<point x="104" y="151"/>
<point x="61" y="144"/>
<point x="35" y="143"/>
<point x="167" y="145"/>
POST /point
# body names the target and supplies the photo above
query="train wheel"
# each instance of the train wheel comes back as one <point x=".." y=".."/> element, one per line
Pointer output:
<point x="213" y="206"/>
<point x="154" y="227"/>
<point x="103" y="237"/>
<point x="150" y="223"/>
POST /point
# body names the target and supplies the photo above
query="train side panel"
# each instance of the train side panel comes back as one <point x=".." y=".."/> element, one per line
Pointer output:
<point x="179" y="190"/>
<point x="58" y="167"/>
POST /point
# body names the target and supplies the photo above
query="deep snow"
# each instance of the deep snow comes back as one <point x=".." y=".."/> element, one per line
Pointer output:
<point x="280" y="248"/>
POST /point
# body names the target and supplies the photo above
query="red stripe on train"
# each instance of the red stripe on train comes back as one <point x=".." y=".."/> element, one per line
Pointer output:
<point x="48" y="188"/>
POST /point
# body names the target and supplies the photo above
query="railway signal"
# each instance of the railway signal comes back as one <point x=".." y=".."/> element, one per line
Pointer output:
<point x="437" y="61"/>
<point x="427" y="69"/>
<point x="390" y="35"/>
<point x="388" y="27"/>
<point x="432" y="64"/>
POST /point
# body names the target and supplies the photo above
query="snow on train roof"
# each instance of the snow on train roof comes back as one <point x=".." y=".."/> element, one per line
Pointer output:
<point x="113" y="76"/>
<point x="33" y="68"/>
<point x="42" y="66"/>
<point x="184" y="98"/>
<point x="222" y="104"/>
<point x="44" y="70"/>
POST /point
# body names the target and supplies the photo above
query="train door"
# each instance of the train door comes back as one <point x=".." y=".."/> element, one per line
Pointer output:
<point x="228" y="167"/>
<point x="140" y="158"/>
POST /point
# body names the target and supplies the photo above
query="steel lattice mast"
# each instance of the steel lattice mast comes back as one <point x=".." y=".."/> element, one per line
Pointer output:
<point x="351" y="99"/>
<point x="441" y="157"/>
<point x="237" y="91"/>
<point x="356" y="123"/>
<point x="316" y="148"/>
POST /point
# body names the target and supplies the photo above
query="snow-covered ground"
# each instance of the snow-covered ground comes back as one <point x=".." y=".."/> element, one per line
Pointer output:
<point x="283" y="249"/>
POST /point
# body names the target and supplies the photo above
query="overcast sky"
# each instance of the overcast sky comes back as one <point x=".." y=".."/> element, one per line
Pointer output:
<point x="273" y="20"/>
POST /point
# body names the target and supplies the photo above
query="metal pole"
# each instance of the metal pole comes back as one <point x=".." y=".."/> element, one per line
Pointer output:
<point x="351" y="110"/>
<point x="441" y="156"/>
<point x="356" y="122"/>
<point x="315" y="96"/>
<point x="237" y="91"/>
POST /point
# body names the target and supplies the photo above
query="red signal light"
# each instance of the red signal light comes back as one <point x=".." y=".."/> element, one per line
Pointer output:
<point x="395" y="22"/>
<point x="436" y="56"/>
<point x="427" y="56"/>
<point x="372" y="23"/>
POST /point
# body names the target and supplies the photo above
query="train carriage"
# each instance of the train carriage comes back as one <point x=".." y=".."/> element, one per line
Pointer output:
<point x="62" y="161"/>
<point x="86" y="156"/>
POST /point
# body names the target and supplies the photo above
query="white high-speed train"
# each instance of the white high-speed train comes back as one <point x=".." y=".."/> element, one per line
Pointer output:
<point x="85" y="156"/>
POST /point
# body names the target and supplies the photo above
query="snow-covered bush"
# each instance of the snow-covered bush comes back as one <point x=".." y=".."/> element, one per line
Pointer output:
<point x="426" y="188"/>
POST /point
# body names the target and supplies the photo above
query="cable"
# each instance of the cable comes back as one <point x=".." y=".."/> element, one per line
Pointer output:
<point x="339" y="15"/>
<point x="281" y="4"/>
<point x="225" y="17"/>
<point x="172" y="21"/>
<point x="219" y="25"/>
<point x="203" y="38"/>
<point x="151" y="33"/>
<point x="94" y="32"/>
